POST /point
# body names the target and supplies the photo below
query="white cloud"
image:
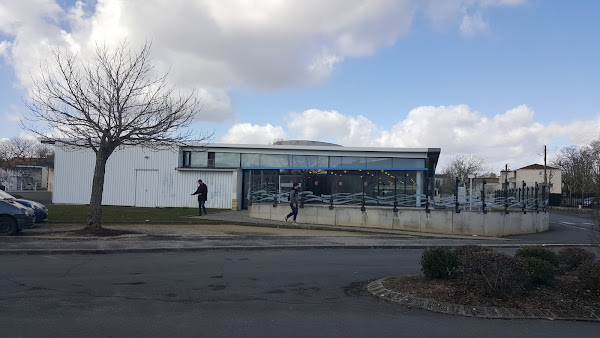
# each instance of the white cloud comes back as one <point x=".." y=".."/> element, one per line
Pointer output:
<point x="212" y="46"/>
<point x="440" y="12"/>
<point x="473" y="24"/>
<point x="512" y="137"/>
<point x="14" y="115"/>
<point x="254" y="134"/>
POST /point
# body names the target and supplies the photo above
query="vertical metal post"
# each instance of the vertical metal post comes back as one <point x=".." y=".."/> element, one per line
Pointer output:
<point x="302" y="197"/>
<point x="537" y="189"/>
<point x="395" y="195"/>
<point x="427" y="211"/>
<point x="544" y="204"/>
<point x="483" y="205"/>
<point x="275" y="200"/>
<point x="330" y="192"/>
<point x="457" y="206"/>
<point x="362" y="206"/>
<point x="506" y="194"/>
<point x="523" y="198"/>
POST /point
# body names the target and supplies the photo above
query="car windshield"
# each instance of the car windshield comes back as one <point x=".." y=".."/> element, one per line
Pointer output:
<point x="6" y="196"/>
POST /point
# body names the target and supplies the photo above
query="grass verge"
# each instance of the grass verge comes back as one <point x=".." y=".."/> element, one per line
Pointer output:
<point x="61" y="213"/>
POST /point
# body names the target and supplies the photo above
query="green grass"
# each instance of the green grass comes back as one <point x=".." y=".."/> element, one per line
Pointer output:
<point x="60" y="213"/>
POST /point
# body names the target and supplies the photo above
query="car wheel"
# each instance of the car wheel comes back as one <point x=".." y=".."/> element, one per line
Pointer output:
<point x="8" y="226"/>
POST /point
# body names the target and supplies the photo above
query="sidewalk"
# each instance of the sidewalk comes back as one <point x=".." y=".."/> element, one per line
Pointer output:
<point x="232" y="230"/>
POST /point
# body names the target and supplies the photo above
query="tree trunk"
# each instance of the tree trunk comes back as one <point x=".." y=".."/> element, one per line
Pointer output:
<point x="94" y="222"/>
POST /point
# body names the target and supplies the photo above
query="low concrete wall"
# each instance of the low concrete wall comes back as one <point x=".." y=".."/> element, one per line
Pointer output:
<point x="447" y="221"/>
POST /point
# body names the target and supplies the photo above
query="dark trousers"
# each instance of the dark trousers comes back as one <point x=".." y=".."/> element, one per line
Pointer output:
<point x="200" y="207"/>
<point x="294" y="211"/>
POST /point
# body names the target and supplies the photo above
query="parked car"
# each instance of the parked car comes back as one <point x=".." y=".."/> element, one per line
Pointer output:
<point x="589" y="202"/>
<point x="14" y="217"/>
<point x="40" y="210"/>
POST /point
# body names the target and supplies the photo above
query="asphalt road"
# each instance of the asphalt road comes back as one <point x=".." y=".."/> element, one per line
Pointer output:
<point x="270" y="293"/>
<point x="565" y="228"/>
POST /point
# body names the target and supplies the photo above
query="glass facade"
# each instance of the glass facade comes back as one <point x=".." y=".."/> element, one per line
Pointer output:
<point x="199" y="159"/>
<point x="227" y="160"/>
<point x="342" y="187"/>
<point x="341" y="180"/>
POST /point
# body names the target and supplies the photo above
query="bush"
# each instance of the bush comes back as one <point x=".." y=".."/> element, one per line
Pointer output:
<point x="589" y="275"/>
<point x="570" y="258"/>
<point x="500" y="272"/>
<point x="465" y="255"/>
<point x="540" y="272"/>
<point x="539" y="253"/>
<point x="438" y="263"/>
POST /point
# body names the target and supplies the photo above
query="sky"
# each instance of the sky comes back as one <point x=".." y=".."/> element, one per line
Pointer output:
<point x="500" y="79"/>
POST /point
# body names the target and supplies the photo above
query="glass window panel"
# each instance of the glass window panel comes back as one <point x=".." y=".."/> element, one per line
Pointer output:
<point x="347" y="187"/>
<point x="227" y="160"/>
<point x="323" y="161"/>
<point x="186" y="158"/>
<point x="199" y="159"/>
<point x="408" y="163"/>
<point x="335" y="162"/>
<point x="265" y="185"/>
<point x="274" y="161"/>
<point x="302" y="161"/>
<point x="354" y="162"/>
<point x="250" y="160"/>
<point x="379" y="162"/>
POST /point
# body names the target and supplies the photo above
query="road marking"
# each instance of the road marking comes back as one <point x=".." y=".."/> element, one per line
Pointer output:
<point x="573" y="225"/>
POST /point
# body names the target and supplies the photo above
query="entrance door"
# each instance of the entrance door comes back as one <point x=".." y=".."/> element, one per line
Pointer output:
<point x="146" y="188"/>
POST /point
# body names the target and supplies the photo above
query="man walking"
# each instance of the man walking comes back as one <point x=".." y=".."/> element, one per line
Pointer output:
<point x="293" y="202"/>
<point x="202" y="193"/>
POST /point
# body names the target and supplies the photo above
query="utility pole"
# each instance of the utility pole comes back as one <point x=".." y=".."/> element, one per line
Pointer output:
<point x="545" y="175"/>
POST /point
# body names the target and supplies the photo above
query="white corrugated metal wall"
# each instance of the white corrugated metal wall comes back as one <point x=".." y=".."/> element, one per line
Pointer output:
<point x="74" y="172"/>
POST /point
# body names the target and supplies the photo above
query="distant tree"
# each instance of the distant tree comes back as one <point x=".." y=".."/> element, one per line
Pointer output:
<point x="113" y="100"/>
<point x="21" y="149"/>
<point x="581" y="175"/>
<point x="44" y="152"/>
<point x="460" y="166"/>
<point x="577" y="166"/>
<point x="4" y="153"/>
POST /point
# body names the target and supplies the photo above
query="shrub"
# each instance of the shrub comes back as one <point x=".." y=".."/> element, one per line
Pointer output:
<point x="589" y="275"/>
<point x="465" y="254"/>
<point x="539" y="271"/>
<point x="500" y="272"/>
<point x="438" y="263"/>
<point x="570" y="258"/>
<point x="539" y="253"/>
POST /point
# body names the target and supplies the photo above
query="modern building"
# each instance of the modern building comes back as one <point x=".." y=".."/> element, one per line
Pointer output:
<point x="238" y="175"/>
<point x="27" y="174"/>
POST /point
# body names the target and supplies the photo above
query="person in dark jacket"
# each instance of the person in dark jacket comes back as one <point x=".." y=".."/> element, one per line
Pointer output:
<point x="202" y="193"/>
<point x="293" y="202"/>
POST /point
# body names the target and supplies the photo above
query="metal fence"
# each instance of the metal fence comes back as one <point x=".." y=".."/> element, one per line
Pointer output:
<point x="576" y="200"/>
<point x="508" y="200"/>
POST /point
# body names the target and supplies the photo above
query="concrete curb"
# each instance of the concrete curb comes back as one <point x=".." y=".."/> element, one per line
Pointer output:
<point x="94" y="251"/>
<point x="377" y="289"/>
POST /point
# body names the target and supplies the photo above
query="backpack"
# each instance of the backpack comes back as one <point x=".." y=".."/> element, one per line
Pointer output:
<point x="290" y="194"/>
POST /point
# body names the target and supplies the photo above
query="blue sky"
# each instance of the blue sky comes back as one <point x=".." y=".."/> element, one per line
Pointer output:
<point x="497" y="78"/>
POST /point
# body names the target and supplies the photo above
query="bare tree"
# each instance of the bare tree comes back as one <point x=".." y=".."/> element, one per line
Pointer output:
<point x="113" y="100"/>
<point x="581" y="175"/>
<point x="21" y="149"/>
<point x="44" y="152"/>
<point x="460" y="166"/>
<point x="4" y="152"/>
